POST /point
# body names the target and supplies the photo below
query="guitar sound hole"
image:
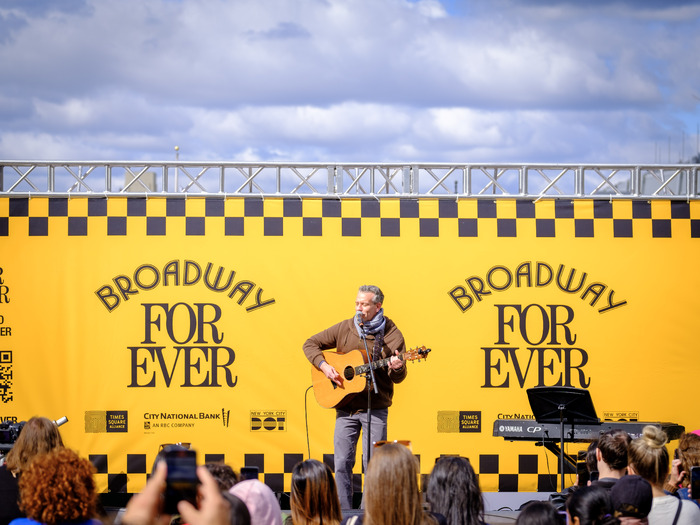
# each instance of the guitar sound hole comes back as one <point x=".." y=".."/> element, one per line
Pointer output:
<point x="349" y="373"/>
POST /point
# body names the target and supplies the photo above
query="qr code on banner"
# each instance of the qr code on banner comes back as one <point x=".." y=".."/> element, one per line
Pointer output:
<point x="5" y="376"/>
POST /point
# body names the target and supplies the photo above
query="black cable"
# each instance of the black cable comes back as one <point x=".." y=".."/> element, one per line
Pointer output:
<point x="306" y="420"/>
<point x="549" y="469"/>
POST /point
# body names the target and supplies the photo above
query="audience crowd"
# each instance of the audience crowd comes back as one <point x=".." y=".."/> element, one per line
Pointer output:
<point x="38" y="436"/>
<point x="43" y="482"/>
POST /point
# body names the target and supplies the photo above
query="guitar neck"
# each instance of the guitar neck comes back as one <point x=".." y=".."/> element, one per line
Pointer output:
<point x="374" y="365"/>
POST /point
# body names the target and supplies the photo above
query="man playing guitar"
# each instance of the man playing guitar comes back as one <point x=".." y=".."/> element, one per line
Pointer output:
<point x="384" y="341"/>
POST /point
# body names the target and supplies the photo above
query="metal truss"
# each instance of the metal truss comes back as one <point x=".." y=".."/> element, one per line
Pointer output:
<point x="381" y="180"/>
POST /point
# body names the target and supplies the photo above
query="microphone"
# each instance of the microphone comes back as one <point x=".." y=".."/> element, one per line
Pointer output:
<point x="358" y="319"/>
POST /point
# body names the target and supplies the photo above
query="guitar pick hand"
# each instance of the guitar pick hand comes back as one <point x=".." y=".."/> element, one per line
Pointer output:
<point x="331" y="373"/>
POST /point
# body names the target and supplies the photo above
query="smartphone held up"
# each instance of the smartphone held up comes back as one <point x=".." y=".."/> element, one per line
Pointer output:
<point x="695" y="482"/>
<point x="181" y="482"/>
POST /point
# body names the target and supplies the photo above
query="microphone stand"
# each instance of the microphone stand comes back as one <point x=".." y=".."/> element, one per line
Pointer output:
<point x="373" y="384"/>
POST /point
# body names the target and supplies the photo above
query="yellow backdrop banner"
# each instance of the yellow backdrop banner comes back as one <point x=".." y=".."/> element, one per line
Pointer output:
<point x="164" y="320"/>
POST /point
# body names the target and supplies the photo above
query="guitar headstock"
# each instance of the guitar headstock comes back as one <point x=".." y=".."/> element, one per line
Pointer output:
<point x="420" y="352"/>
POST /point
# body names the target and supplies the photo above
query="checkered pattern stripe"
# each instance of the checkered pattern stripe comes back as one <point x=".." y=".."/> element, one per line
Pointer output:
<point x="506" y="473"/>
<point x="314" y="217"/>
<point x="117" y="477"/>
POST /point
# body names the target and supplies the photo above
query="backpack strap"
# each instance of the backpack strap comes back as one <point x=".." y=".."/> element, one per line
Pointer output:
<point x="678" y="512"/>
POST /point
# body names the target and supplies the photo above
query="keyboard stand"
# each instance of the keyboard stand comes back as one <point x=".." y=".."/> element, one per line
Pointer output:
<point x="560" y="404"/>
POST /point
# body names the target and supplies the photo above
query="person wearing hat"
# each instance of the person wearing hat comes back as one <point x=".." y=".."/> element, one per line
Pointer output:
<point x="632" y="498"/>
<point x="262" y="503"/>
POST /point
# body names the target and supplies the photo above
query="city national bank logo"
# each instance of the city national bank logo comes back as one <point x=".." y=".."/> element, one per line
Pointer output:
<point x="183" y="419"/>
<point x="268" y="420"/>
<point x="98" y="421"/>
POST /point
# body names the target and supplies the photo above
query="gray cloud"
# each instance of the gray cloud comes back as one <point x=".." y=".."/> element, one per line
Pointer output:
<point x="359" y="80"/>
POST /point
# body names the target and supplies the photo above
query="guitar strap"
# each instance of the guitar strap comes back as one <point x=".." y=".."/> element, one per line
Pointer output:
<point x="378" y="344"/>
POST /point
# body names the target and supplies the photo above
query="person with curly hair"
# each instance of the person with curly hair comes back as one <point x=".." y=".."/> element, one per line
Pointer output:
<point x="58" y="487"/>
<point x="453" y="491"/>
<point x="38" y="436"/>
<point x="687" y="455"/>
<point x="649" y="458"/>
<point x="224" y="474"/>
<point x="314" y="497"/>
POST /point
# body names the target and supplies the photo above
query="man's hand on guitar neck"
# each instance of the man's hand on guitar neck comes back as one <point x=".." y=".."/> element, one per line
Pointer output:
<point x="331" y="373"/>
<point x="396" y="363"/>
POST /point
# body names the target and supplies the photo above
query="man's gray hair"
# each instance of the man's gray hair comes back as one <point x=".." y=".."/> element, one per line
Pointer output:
<point x="378" y="295"/>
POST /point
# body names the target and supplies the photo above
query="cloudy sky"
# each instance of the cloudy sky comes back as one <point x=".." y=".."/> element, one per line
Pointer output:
<point x="350" y="80"/>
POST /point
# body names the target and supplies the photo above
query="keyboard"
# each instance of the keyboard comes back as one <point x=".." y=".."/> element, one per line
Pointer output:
<point x="531" y="430"/>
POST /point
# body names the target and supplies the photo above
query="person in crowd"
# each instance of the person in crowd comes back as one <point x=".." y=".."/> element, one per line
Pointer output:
<point x="631" y="499"/>
<point x="239" y="510"/>
<point x="144" y="508"/>
<point x="58" y="487"/>
<point x="384" y="340"/>
<point x="591" y="458"/>
<point x="558" y="499"/>
<point x="453" y="491"/>
<point x="590" y="506"/>
<point x="314" y="497"/>
<point x="539" y="513"/>
<point x="161" y="457"/>
<point x="224" y="474"/>
<point x="162" y="452"/>
<point x="648" y="458"/>
<point x="261" y="502"/>
<point x="38" y="436"/>
<point x="611" y="457"/>
<point x="392" y="493"/>
<point x="687" y="455"/>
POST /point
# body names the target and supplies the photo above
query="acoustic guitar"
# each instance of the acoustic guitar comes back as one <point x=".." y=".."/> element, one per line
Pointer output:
<point x="353" y="369"/>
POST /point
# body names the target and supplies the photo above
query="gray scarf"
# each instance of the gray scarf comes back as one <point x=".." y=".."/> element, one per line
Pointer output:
<point x="375" y="327"/>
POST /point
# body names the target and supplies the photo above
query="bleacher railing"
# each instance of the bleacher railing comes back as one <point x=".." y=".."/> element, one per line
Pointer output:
<point x="379" y="180"/>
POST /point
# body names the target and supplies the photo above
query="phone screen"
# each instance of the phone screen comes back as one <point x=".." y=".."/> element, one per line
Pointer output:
<point x="182" y="481"/>
<point x="583" y="474"/>
<point x="695" y="482"/>
<point x="249" y="473"/>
